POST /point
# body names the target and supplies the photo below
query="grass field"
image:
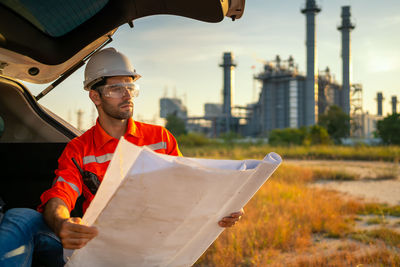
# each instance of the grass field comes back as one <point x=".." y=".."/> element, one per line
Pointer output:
<point x="288" y="223"/>
<point x="258" y="151"/>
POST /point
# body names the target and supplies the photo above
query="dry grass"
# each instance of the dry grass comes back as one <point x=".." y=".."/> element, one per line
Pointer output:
<point x="388" y="236"/>
<point x="334" y="175"/>
<point x="283" y="218"/>
<point x="380" y="209"/>
<point x="373" y="257"/>
<point x="243" y="151"/>
<point x="376" y="220"/>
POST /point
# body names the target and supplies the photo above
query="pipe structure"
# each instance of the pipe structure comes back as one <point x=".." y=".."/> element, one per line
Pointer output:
<point x="379" y="100"/>
<point x="228" y="66"/>
<point x="394" y="104"/>
<point x="345" y="28"/>
<point x="311" y="92"/>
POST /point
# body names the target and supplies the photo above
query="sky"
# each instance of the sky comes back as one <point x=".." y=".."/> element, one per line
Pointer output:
<point x="180" y="57"/>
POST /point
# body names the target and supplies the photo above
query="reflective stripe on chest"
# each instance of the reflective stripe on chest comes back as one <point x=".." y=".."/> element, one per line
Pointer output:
<point x="107" y="157"/>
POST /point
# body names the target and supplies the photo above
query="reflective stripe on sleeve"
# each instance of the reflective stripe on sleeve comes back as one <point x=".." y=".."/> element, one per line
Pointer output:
<point x="72" y="185"/>
<point x="99" y="159"/>
<point x="156" y="146"/>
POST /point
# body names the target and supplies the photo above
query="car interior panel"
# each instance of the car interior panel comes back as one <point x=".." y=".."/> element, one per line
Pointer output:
<point x="51" y="50"/>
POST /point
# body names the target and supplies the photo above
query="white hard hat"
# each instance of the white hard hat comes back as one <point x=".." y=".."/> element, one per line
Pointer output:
<point x="107" y="63"/>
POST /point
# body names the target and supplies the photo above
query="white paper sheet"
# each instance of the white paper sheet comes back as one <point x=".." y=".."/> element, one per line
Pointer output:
<point x="159" y="210"/>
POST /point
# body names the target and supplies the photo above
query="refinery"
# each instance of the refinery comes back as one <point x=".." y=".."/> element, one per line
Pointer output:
<point x="288" y="98"/>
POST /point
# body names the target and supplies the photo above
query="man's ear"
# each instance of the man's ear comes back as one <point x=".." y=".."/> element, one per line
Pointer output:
<point x="95" y="97"/>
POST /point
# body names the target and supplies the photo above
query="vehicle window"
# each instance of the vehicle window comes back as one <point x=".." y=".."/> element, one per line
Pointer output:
<point x="57" y="17"/>
<point x="1" y="126"/>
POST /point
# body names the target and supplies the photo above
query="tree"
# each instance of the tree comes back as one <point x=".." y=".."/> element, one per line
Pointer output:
<point x="337" y="123"/>
<point x="175" y="125"/>
<point x="317" y="135"/>
<point x="193" y="139"/>
<point x="288" y="136"/>
<point x="312" y="135"/>
<point x="389" y="129"/>
<point x="230" y="137"/>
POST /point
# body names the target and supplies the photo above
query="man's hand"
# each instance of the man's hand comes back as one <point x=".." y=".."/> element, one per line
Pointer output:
<point x="230" y="221"/>
<point x="74" y="234"/>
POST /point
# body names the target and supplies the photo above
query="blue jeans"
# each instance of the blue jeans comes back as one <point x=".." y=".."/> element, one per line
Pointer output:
<point x="25" y="237"/>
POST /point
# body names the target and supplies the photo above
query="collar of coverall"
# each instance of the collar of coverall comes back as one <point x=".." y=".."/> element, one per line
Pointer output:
<point x="101" y="137"/>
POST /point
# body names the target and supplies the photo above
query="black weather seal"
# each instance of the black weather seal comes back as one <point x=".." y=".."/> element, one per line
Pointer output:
<point x="70" y="71"/>
<point x="45" y="116"/>
<point x="59" y="80"/>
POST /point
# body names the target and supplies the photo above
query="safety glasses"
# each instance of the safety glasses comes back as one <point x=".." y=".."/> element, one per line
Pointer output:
<point x="119" y="90"/>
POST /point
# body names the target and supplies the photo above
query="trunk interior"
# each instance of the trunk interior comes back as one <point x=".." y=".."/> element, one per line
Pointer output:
<point x="31" y="141"/>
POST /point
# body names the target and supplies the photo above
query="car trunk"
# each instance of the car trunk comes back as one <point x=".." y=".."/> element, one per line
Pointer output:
<point x="27" y="171"/>
<point x="31" y="141"/>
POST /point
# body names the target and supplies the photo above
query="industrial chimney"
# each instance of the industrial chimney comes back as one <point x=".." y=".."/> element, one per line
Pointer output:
<point x="229" y="66"/>
<point x="379" y="100"/>
<point x="394" y="104"/>
<point x="345" y="28"/>
<point x="311" y="92"/>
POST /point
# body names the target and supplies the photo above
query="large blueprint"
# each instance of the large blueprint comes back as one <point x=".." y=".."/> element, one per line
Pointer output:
<point x="159" y="210"/>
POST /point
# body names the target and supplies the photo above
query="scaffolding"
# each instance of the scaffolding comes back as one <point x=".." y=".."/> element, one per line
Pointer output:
<point x="356" y="113"/>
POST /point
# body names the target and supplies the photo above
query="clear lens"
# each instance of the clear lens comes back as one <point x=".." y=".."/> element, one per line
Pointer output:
<point x="120" y="90"/>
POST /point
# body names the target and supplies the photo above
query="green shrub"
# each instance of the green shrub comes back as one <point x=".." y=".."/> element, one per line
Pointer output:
<point x="336" y="122"/>
<point x="288" y="136"/>
<point x="175" y="125"/>
<point x="313" y="135"/>
<point x="230" y="137"/>
<point x="389" y="128"/>
<point x="317" y="135"/>
<point x="193" y="139"/>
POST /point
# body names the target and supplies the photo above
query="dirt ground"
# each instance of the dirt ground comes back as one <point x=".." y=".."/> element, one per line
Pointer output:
<point x="377" y="181"/>
<point x="365" y="169"/>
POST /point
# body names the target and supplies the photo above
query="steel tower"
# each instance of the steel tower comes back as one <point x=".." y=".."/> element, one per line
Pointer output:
<point x="394" y="104"/>
<point x="345" y="28"/>
<point x="311" y="92"/>
<point x="229" y="66"/>
<point x="379" y="101"/>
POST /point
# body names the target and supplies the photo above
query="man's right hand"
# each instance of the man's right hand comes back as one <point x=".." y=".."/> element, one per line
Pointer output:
<point x="74" y="234"/>
<point x="72" y="231"/>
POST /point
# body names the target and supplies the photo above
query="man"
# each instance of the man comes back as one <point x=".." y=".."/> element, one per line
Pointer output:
<point x="110" y="80"/>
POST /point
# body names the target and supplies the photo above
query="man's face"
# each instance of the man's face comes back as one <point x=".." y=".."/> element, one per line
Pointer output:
<point x="118" y="108"/>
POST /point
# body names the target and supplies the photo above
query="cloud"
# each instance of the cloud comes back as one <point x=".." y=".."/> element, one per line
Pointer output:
<point x="379" y="55"/>
<point x="389" y="22"/>
<point x="378" y="64"/>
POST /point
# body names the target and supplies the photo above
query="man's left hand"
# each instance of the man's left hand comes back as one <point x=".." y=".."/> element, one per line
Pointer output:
<point x="230" y="221"/>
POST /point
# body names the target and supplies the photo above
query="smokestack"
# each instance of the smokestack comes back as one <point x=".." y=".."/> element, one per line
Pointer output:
<point x="311" y="92"/>
<point x="394" y="104"/>
<point x="229" y="66"/>
<point x="79" y="115"/>
<point x="379" y="100"/>
<point x="345" y="28"/>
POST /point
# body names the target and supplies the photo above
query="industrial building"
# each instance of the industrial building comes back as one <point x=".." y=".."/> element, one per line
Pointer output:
<point x="288" y="98"/>
<point x="283" y="98"/>
<point x="218" y="118"/>
<point x="172" y="106"/>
